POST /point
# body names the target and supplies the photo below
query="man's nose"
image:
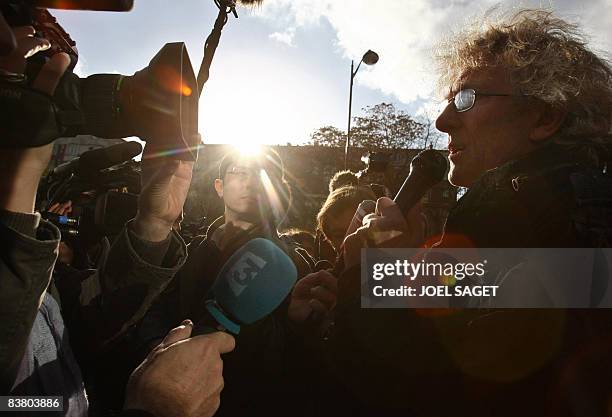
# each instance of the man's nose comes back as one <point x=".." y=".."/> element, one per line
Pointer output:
<point x="253" y="179"/>
<point x="447" y="119"/>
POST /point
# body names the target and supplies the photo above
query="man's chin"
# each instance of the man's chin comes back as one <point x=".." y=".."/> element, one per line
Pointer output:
<point x="457" y="178"/>
<point x="249" y="214"/>
<point x="246" y="213"/>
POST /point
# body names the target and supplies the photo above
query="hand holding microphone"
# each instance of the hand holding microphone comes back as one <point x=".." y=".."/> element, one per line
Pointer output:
<point x="386" y="227"/>
<point x="398" y="223"/>
<point x="182" y="376"/>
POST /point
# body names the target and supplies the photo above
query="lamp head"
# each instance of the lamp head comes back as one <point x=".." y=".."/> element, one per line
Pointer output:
<point x="370" y="57"/>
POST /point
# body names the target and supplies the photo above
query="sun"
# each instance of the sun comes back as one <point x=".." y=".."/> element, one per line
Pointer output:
<point x="247" y="149"/>
<point x="265" y="108"/>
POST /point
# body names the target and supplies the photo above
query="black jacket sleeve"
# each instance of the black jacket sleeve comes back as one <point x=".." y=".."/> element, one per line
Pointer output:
<point x="115" y="297"/>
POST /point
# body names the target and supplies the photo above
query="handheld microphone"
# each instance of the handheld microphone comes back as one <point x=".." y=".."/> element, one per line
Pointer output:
<point x="426" y="170"/>
<point x="91" y="162"/>
<point x="365" y="207"/>
<point x="252" y="284"/>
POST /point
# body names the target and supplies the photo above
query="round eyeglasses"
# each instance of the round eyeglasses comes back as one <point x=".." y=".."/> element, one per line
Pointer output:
<point x="464" y="99"/>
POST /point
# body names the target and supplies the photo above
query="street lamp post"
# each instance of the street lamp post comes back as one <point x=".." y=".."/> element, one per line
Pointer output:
<point x="369" y="58"/>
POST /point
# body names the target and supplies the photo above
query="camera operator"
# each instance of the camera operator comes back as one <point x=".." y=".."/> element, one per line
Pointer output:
<point x="36" y="357"/>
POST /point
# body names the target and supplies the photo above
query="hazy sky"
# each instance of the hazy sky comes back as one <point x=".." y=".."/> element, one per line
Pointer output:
<point x="282" y="70"/>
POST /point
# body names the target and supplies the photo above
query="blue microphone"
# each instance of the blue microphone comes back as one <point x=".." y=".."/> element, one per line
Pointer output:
<point x="252" y="284"/>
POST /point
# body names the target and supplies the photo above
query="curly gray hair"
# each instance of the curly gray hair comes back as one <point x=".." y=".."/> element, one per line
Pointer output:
<point x="547" y="58"/>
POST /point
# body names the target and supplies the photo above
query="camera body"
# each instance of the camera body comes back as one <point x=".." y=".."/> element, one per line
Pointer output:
<point x="102" y="202"/>
<point x="159" y="104"/>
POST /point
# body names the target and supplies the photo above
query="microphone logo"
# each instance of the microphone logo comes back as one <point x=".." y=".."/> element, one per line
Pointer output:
<point x="245" y="270"/>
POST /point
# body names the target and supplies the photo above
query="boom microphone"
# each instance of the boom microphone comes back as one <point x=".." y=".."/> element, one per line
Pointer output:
<point x="91" y="162"/>
<point x="252" y="284"/>
<point x="426" y="170"/>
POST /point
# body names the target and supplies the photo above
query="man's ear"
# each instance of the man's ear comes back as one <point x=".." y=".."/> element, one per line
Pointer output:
<point x="219" y="187"/>
<point x="548" y="120"/>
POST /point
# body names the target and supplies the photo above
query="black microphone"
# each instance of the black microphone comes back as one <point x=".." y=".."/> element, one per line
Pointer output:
<point x="426" y="170"/>
<point x="91" y="162"/>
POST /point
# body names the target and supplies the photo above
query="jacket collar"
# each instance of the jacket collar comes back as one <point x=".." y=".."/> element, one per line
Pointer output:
<point x="539" y="162"/>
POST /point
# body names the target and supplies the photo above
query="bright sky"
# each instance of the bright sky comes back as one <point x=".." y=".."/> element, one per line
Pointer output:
<point x="282" y="70"/>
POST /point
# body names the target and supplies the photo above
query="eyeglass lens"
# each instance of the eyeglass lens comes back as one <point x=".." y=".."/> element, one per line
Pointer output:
<point x="464" y="99"/>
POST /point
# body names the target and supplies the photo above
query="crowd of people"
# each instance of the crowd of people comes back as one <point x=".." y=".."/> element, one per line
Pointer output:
<point x="528" y="116"/>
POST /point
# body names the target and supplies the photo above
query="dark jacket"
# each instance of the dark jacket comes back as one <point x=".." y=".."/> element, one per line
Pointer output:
<point x="551" y="198"/>
<point x="490" y="362"/>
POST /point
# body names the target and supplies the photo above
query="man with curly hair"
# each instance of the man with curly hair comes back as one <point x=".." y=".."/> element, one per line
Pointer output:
<point x="528" y="120"/>
<point x="529" y="110"/>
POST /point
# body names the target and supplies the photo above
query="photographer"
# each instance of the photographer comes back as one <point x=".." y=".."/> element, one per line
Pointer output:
<point x="36" y="357"/>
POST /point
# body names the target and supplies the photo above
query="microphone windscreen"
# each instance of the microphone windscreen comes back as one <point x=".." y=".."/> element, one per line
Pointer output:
<point x="97" y="159"/>
<point x="426" y="169"/>
<point x="254" y="281"/>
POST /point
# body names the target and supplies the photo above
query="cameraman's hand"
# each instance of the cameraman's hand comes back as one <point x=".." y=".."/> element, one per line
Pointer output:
<point x="182" y="376"/>
<point x="61" y="208"/>
<point x="165" y="185"/>
<point x="387" y="227"/>
<point x="21" y="169"/>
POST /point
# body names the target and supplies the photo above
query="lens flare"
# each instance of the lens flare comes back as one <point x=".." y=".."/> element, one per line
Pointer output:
<point x="272" y="196"/>
<point x="173" y="151"/>
<point x="186" y="91"/>
<point x="170" y="80"/>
